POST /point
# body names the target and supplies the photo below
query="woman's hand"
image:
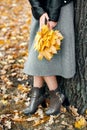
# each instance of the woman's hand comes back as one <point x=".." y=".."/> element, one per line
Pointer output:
<point x="43" y="19"/>
<point x="51" y="24"/>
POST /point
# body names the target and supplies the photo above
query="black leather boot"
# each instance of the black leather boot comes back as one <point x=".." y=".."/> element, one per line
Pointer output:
<point x="56" y="100"/>
<point x="37" y="98"/>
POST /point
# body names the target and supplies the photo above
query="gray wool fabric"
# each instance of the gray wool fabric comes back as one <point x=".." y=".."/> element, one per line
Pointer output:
<point x="62" y="63"/>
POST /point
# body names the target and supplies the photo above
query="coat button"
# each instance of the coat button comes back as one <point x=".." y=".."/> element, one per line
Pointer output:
<point x="65" y="1"/>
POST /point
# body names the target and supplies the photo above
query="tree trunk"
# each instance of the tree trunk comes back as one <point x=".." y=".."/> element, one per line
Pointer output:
<point x="76" y="88"/>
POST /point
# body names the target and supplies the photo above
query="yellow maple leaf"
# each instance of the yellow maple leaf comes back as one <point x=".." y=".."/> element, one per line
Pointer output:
<point x="22" y="88"/>
<point x="86" y="111"/>
<point x="44" y="29"/>
<point x="48" y="55"/>
<point x="41" y="121"/>
<point x="4" y="101"/>
<point x="53" y="49"/>
<point x="2" y="41"/>
<point x="47" y="42"/>
<point x="40" y="56"/>
<point x="80" y="123"/>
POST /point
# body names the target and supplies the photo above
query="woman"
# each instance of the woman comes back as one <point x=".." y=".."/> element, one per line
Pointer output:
<point x="59" y="14"/>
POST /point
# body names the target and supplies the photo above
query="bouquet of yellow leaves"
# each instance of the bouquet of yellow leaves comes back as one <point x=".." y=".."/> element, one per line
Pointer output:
<point x="47" y="42"/>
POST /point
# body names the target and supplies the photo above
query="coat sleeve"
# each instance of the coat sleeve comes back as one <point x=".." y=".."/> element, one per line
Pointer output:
<point x="54" y="10"/>
<point x="37" y="10"/>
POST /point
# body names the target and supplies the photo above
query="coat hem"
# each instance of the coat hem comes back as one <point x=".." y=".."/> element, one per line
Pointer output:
<point x="62" y="75"/>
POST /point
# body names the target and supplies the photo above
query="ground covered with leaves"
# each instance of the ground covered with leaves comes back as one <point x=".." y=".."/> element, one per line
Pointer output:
<point x="15" y="17"/>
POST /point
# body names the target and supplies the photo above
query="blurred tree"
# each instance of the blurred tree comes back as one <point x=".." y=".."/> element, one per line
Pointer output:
<point x="76" y="88"/>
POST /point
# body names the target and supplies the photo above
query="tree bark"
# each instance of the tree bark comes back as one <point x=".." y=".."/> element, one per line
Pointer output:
<point x="76" y="88"/>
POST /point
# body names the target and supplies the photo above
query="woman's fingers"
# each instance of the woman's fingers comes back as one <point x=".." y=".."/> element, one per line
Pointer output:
<point x="51" y="24"/>
<point x="43" y="19"/>
<point x="46" y="16"/>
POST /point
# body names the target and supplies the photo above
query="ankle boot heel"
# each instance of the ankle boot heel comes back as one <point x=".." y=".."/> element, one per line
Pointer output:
<point x="43" y="104"/>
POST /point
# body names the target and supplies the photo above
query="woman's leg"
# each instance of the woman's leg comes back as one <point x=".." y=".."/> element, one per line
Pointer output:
<point x="51" y="82"/>
<point x="38" y="81"/>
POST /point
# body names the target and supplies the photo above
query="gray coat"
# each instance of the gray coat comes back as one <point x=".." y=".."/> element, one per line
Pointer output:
<point x="63" y="63"/>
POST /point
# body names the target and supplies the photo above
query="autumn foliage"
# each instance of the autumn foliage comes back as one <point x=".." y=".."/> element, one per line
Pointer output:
<point x="15" y="17"/>
<point x="47" y="42"/>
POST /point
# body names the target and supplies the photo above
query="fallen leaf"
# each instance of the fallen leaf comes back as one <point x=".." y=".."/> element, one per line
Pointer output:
<point x="7" y="123"/>
<point x="22" y="88"/>
<point x="41" y="121"/>
<point x="2" y="41"/>
<point x="86" y="111"/>
<point x="74" y="111"/>
<point x="80" y="123"/>
<point x="20" y="119"/>
<point x="1" y="127"/>
<point x="5" y="102"/>
<point x="64" y="123"/>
